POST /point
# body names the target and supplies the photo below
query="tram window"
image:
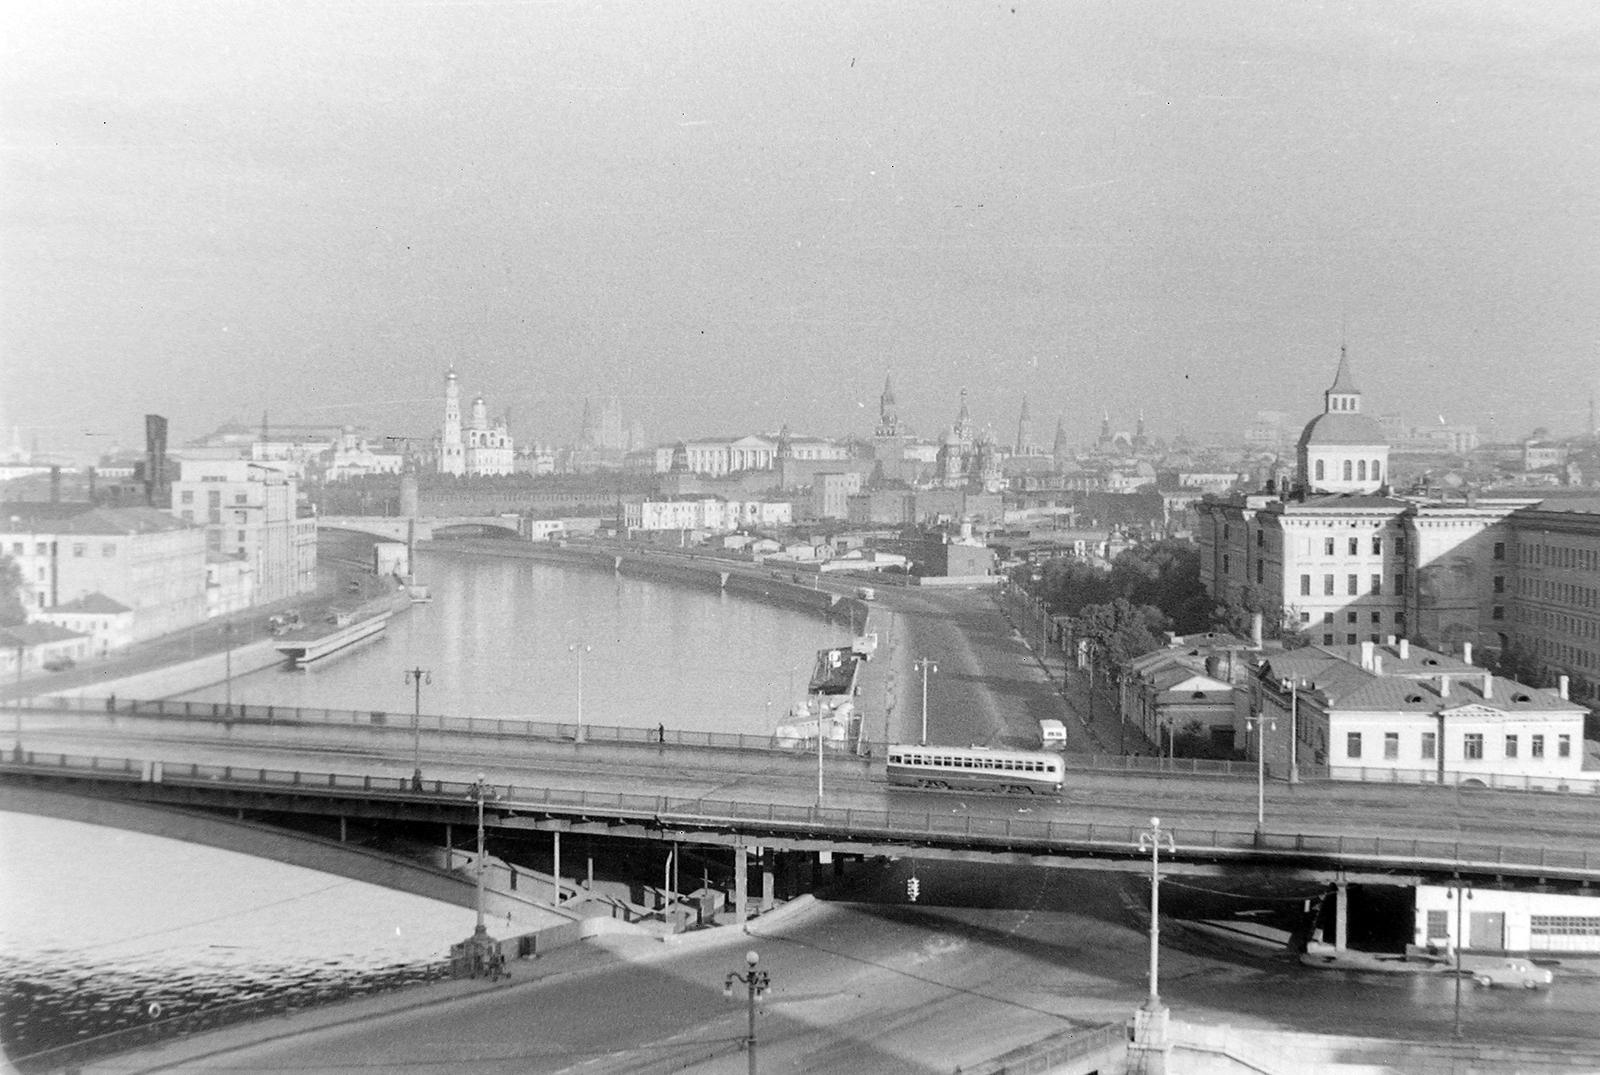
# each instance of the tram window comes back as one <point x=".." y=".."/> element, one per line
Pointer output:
<point x="894" y="759"/>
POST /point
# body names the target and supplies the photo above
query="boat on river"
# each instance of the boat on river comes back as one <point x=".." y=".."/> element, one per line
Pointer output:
<point x="345" y="631"/>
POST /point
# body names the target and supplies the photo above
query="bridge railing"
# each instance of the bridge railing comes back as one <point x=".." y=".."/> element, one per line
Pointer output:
<point x="555" y="731"/>
<point x="853" y="823"/>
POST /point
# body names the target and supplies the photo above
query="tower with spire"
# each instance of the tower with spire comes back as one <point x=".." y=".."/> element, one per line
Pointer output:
<point x="888" y="415"/>
<point x="1342" y="450"/>
<point x="452" y="452"/>
<point x="1025" y="445"/>
<point x="1060" y="449"/>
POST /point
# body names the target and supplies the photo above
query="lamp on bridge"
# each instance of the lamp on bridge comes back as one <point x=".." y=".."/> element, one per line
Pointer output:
<point x="417" y="677"/>
<point x="580" y="648"/>
<point x="926" y="666"/>
<point x="1260" y="723"/>
<point x="756" y="983"/>
<point x="1462" y="893"/>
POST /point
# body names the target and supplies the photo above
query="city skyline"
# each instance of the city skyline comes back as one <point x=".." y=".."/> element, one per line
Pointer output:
<point x="744" y="218"/>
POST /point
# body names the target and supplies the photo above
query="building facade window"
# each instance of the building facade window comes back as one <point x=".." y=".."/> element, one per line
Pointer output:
<point x="1511" y="746"/>
<point x="1377" y="586"/>
<point x="1352" y="585"/>
<point x="1375" y="470"/>
<point x="1427" y="746"/>
<point x="1536" y="746"/>
<point x="79" y="548"/>
<point x="1347" y="468"/>
<point x="1563" y="746"/>
<point x="1305" y="585"/>
<point x="1227" y="563"/>
<point x="1352" y="741"/>
<point x="1327" y="546"/>
<point x="1472" y="746"/>
<point x="1327" y="585"/>
<point x="1391" y="745"/>
<point x="1361" y="470"/>
<point x="1319" y="470"/>
<point x="1377" y="546"/>
<point x="1499" y="550"/>
<point x="1261" y="571"/>
<point x="1355" y="546"/>
<point x="1499" y="584"/>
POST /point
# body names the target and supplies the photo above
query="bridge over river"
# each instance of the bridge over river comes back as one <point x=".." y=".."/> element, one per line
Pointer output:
<point x="745" y="791"/>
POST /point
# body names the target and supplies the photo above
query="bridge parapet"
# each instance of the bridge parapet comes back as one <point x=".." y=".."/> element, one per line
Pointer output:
<point x="199" y="785"/>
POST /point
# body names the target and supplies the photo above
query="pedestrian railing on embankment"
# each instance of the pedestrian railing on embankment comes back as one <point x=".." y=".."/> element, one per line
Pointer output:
<point x="156" y="1025"/>
<point x="999" y="833"/>
<point x="1108" y="1043"/>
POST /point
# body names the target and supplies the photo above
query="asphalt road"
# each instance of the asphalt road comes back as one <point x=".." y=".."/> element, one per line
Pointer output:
<point x="889" y="987"/>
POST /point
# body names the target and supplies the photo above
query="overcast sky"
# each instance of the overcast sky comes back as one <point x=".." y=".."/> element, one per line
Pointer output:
<point x="734" y="215"/>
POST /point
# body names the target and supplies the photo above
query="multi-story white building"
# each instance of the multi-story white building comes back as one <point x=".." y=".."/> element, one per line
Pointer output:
<point x="139" y="558"/>
<point x="1492" y="920"/>
<point x="1547" y="589"/>
<point x="249" y="513"/>
<point x="707" y="513"/>
<point x="353" y="457"/>
<point x="831" y="493"/>
<point x="451" y="454"/>
<point x="489" y="451"/>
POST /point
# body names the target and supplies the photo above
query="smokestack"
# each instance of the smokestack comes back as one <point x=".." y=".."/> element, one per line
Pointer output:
<point x="1488" y="686"/>
<point x="1561" y="687"/>
<point x="1444" y="686"/>
<point x="1405" y="649"/>
<point x="1466" y="652"/>
<point x="1366" y="656"/>
<point x="55" y="484"/>
<point x="1255" y="630"/>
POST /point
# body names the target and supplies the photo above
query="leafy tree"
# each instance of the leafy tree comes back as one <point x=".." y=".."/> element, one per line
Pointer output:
<point x="11" y="610"/>
<point x="1165" y="575"/>
<point x="1070" y="584"/>
<point x="1122" y="631"/>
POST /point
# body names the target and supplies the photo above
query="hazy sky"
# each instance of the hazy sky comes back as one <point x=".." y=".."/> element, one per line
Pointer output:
<point x="733" y="215"/>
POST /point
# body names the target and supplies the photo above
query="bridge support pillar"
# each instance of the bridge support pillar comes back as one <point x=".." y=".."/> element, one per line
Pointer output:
<point x="1150" y="1050"/>
<point x="1341" y="915"/>
<point x="555" y="868"/>
<point x="769" y="895"/>
<point x="741" y="882"/>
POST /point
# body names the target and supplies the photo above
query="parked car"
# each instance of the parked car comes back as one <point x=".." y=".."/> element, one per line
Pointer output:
<point x="1513" y="973"/>
<point x="59" y="664"/>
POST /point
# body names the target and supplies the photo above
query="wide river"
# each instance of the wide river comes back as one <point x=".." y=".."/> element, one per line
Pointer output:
<point x="103" y="929"/>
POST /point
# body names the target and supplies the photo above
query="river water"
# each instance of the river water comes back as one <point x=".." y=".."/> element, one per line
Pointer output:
<point x="103" y="929"/>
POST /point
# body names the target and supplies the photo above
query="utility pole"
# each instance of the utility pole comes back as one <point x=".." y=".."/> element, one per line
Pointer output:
<point x="417" y="677"/>
<point x="926" y="665"/>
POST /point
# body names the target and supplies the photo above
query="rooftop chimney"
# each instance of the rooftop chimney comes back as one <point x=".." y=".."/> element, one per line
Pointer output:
<point x="1255" y="630"/>
<point x="1389" y="641"/>
<point x="1405" y="649"/>
<point x="1444" y="686"/>
<point x="1466" y="652"/>
<point x="1366" y="655"/>
<point x="1377" y="664"/>
<point x="1488" y="686"/>
<point x="1561" y="687"/>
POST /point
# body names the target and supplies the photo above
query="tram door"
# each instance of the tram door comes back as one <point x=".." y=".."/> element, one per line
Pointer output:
<point x="1487" y="931"/>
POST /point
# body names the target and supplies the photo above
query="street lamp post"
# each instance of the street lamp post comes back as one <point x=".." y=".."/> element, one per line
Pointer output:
<point x="926" y="666"/>
<point x="580" y="648"/>
<point x="1153" y="840"/>
<point x="1463" y="893"/>
<point x="1262" y="723"/>
<point x="227" y="676"/>
<point x="756" y="983"/>
<point x="1294" y="731"/>
<point x="417" y="677"/>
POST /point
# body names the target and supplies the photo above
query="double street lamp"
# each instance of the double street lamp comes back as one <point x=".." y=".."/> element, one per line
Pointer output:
<point x="417" y="677"/>
<point x="756" y="983"/>
<point x="1259" y="723"/>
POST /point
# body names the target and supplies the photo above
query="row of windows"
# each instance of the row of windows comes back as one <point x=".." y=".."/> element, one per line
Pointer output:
<point x="1568" y="925"/>
<point x="79" y="548"/>
<point x="1352" y="585"/>
<point x="1566" y="593"/>
<point x="1356" y="471"/>
<point x="1010" y="765"/>
<point x="1562" y="653"/>
<point x="1354" y="617"/>
<point x="1572" y="626"/>
<point x="1471" y="746"/>
<point x="1559" y="556"/>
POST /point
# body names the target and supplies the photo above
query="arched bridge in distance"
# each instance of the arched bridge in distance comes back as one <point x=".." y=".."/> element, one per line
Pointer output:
<point x="403" y="528"/>
<point x="744" y="791"/>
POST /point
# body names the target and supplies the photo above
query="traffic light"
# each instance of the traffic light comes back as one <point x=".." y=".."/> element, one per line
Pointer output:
<point x="913" y="889"/>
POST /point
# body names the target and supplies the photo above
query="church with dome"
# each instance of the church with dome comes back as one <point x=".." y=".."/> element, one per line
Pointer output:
<point x="1342" y="450"/>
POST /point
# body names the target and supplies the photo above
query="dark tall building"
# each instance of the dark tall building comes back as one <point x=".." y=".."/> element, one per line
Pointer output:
<point x="157" y="482"/>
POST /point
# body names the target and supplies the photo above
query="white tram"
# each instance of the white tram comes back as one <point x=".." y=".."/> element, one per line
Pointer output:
<point x="1031" y="771"/>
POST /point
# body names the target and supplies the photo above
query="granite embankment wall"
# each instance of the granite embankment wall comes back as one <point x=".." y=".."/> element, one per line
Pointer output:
<point x="798" y="589"/>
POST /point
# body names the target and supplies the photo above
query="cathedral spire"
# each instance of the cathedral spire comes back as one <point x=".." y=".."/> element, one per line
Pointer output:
<point x="1343" y="395"/>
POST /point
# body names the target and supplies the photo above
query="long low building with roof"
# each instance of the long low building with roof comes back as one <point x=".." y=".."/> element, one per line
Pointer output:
<point x="1398" y="712"/>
